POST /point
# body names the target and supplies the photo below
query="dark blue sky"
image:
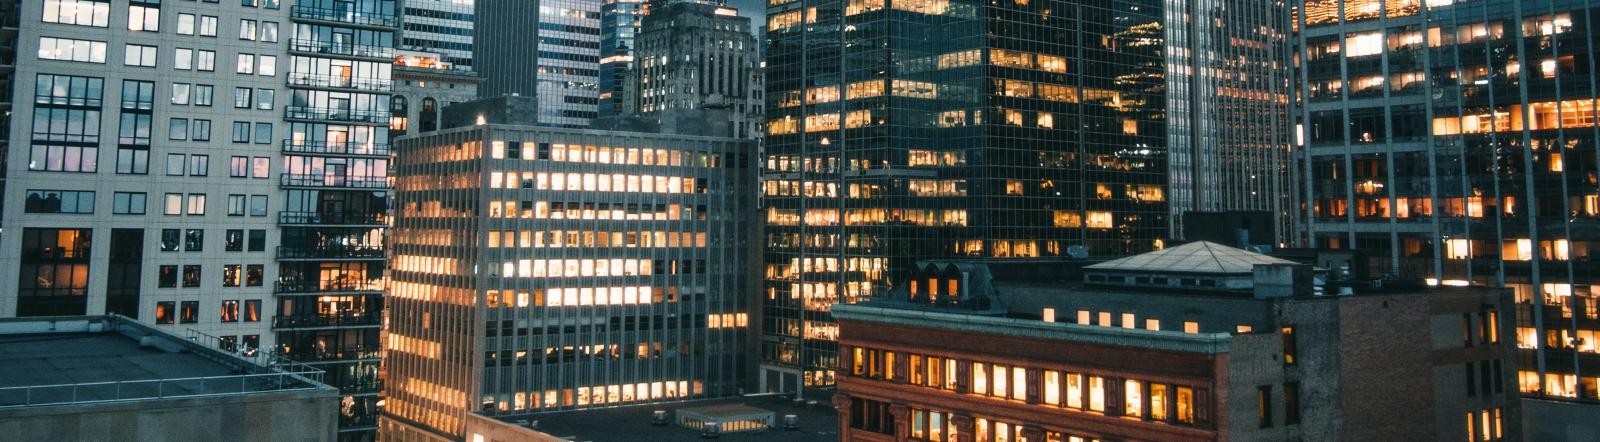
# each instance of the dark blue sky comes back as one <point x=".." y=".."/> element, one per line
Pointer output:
<point x="755" y="9"/>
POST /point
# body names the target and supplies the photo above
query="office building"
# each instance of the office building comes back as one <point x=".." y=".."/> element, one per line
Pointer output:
<point x="1228" y="89"/>
<point x="619" y="26"/>
<point x="549" y="50"/>
<point x="113" y="378"/>
<point x="442" y="27"/>
<point x="1195" y="342"/>
<point x="424" y="84"/>
<point x="1455" y="141"/>
<point x="695" y="55"/>
<point x="541" y="269"/>
<point x="914" y="130"/>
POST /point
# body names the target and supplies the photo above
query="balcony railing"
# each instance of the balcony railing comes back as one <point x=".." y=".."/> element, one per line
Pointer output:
<point x="339" y="81"/>
<point x="291" y="285"/>
<point x="342" y="16"/>
<point x="334" y="48"/>
<point x="368" y="386"/>
<point x="333" y="218"/>
<point x="325" y="321"/>
<point x="335" y="114"/>
<point x="298" y="252"/>
<point x="324" y="180"/>
<point x="312" y="354"/>
<point x="345" y="148"/>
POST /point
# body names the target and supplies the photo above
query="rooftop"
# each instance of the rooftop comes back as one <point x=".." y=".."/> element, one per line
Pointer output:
<point x="1195" y="257"/>
<point x="67" y="360"/>
<point x="818" y="422"/>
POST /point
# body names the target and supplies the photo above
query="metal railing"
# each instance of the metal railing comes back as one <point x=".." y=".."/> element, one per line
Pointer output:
<point x="296" y="252"/>
<point x="324" y="180"/>
<point x="347" y="147"/>
<point x="151" y="389"/>
<point x="343" y="16"/>
<point x="339" y="81"/>
<point x="335" y="114"/>
<point x="290" y="285"/>
<point x="325" y="321"/>
<point x="255" y="356"/>
<point x="333" y="48"/>
<point x="335" y="354"/>
<point x="332" y="218"/>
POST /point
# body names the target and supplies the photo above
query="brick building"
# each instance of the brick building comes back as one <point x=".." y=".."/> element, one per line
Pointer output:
<point x="1195" y="342"/>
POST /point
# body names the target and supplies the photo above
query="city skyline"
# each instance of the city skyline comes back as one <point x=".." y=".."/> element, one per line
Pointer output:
<point x="463" y="220"/>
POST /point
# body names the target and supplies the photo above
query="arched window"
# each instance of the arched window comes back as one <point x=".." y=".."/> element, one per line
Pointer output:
<point x="399" y="119"/>
<point x="430" y="115"/>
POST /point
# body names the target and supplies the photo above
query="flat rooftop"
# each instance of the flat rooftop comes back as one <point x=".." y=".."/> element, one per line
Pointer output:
<point x="85" y="359"/>
<point x="818" y="423"/>
<point x="37" y="359"/>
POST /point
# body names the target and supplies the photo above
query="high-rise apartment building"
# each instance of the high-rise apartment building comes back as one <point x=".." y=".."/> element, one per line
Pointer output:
<point x="1456" y="141"/>
<point x="549" y="50"/>
<point x="546" y="269"/>
<point x="619" y="26"/>
<point x="694" y="55"/>
<point x="1228" y="95"/>
<point x="908" y="130"/>
<point x="443" y="27"/>
<point x="210" y="166"/>
<point x="335" y="192"/>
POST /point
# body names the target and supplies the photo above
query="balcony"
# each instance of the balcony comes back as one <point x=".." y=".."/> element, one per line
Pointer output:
<point x="335" y="181"/>
<point x="332" y="218"/>
<point x="323" y="321"/>
<point x="345" y="17"/>
<point x="314" y="355"/>
<point x="335" y="114"/>
<point x="297" y="286"/>
<point x="341" y="48"/>
<point x="340" y="82"/>
<point x="330" y="253"/>
<point x="336" y="148"/>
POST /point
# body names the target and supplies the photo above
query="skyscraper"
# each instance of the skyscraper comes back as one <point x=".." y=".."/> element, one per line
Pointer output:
<point x="547" y="49"/>
<point x="1228" y="89"/>
<point x="1456" y="141"/>
<point x="695" y="55"/>
<point x="439" y="26"/>
<point x="543" y="269"/>
<point x="292" y="264"/>
<point x="908" y="130"/>
<point x="619" y="26"/>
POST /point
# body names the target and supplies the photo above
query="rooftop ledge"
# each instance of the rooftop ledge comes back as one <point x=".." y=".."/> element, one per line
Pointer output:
<point x="1208" y="343"/>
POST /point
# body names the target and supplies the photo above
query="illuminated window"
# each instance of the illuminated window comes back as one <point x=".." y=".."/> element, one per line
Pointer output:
<point x="1097" y="393"/>
<point x="1133" y="398"/>
<point x="1099" y="220"/>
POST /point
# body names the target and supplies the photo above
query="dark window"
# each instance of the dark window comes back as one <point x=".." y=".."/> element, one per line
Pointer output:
<point x="189" y="312"/>
<point x="230" y="275"/>
<point x="871" y="416"/>
<point x="167" y="276"/>
<point x="1291" y="403"/>
<point x="258" y="241"/>
<point x="123" y="272"/>
<point x="252" y="310"/>
<point x="1264" y="405"/>
<point x="233" y="240"/>
<point x="194" y="240"/>
<point x="169" y="239"/>
<point x="191" y="276"/>
<point x="253" y="275"/>
<point x="1288" y="346"/>
<point x="53" y="273"/>
<point x="164" y="312"/>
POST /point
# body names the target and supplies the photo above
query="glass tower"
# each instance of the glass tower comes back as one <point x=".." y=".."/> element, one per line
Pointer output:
<point x="1456" y="141"/>
<point x="901" y="130"/>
